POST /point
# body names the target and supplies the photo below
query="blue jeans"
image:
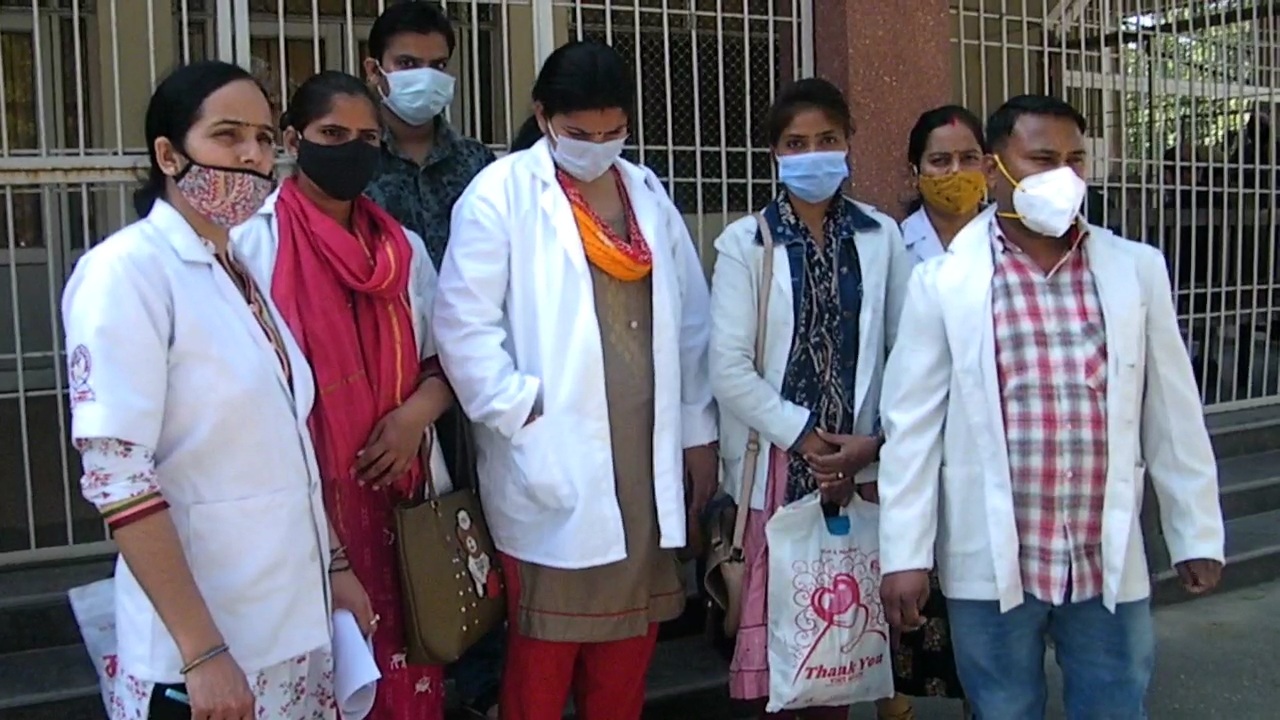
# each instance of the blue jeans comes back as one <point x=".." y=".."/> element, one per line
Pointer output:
<point x="1106" y="659"/>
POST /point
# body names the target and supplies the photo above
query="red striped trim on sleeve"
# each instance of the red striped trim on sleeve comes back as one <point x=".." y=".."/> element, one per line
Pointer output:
<point x="134" y="509"/>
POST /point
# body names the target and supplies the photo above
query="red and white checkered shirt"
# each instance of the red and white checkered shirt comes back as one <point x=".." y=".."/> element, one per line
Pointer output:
<point x="1051" y="355"/>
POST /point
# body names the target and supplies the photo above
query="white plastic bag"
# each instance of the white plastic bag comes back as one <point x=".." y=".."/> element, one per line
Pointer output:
<point x="828" y="639"/>
<point x="94" y="606"/>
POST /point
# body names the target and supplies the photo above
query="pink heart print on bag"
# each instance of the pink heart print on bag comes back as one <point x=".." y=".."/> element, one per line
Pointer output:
<point x="839" y="605"/>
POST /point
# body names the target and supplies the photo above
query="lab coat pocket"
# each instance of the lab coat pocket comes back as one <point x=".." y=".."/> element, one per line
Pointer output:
<point x="252" y="558"/>
<point x="537" y="449"/>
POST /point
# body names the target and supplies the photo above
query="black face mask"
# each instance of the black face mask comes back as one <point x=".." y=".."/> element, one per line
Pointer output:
<point x="341" y="171"/>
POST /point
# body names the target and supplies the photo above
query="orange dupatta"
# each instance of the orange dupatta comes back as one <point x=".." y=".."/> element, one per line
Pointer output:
<point x="620" y="259"/>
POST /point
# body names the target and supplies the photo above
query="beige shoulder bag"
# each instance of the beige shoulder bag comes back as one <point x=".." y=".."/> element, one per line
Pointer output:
<point x="726" y="563"/>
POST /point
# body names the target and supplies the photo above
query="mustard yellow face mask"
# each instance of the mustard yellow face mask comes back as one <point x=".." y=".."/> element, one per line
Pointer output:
<point x="957" y="193"/>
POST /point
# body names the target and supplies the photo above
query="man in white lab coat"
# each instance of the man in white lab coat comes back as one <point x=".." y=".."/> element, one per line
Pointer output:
<point x="1040" y="377"/>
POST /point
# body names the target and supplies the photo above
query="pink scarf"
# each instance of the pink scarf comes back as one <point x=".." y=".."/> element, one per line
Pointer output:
<point x="345" y="297"/>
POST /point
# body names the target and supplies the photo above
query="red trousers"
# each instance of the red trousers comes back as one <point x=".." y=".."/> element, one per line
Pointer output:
<point x="606" y="679"/>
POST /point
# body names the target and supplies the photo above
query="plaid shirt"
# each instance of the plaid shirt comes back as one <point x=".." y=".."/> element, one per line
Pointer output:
<point x="1051" y="356"/>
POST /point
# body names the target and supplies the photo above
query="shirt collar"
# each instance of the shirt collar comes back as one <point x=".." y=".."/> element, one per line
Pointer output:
<point x="1079" y="234"/>
<point x="442" y="148"/>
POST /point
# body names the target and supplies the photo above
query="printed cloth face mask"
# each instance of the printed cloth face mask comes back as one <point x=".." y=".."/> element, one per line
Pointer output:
<point x="816" y="176"/>
<point x="418" y="95"/>
<point x="957" y="193"/>
<point x="226" y="196"/>
<point x="1048" y="203"/>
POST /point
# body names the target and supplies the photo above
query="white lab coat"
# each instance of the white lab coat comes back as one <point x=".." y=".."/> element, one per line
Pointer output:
<point x="945" y="468"/>
<point x="516" y="324"/>
<point x="177" y="363"/>
<point x="748" y="400"/>
<point x="921" y="237"/>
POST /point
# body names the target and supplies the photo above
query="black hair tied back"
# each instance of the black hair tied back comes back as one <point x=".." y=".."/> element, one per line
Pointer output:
<point x="174" y="107"/>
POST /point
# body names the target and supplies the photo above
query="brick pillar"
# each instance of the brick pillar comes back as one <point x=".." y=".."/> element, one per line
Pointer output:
<point x="893" y="62"/>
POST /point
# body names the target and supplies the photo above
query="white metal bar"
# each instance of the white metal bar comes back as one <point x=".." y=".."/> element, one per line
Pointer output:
<point x="671" y="121"/>
<point x="504" y="32"/>
<point x="225" y="24"/>
<point x="806" y="38"/>
<point x="242" y="46"/>
<point x="544" y="30"/>
<point x="16" y="306"/>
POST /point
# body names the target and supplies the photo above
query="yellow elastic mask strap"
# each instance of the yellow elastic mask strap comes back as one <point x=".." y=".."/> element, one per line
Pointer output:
<point x="1004" y="171"/>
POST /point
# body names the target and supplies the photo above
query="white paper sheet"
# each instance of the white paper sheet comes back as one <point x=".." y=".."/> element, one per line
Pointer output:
<point x="355" y="672"/>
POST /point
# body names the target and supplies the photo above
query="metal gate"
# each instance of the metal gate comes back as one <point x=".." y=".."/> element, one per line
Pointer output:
<point x="1181" y="99"/>
<point x="75" y="76"/>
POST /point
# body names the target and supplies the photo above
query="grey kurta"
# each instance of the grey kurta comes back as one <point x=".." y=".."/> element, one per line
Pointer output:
<point x="620" y="600"/>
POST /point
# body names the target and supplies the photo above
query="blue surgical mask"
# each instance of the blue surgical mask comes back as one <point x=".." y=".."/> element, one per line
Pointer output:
<point x="814" y="177"/>
<point x="417" y="96"/>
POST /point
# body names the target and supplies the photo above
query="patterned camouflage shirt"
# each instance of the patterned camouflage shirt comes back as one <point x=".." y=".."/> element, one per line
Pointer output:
<point x="421" y="197"/>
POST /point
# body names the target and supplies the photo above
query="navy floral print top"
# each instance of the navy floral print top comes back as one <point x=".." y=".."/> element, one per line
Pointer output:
<point x="827" y="288"/>
<point x="421" y="197"/>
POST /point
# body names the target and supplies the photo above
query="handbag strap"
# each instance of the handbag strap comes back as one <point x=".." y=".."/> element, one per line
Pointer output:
<point x="751" y="460"/>
<point x="424" y="456"/>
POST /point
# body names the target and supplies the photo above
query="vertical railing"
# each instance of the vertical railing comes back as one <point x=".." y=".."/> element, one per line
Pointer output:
<point x="705" y="75"/>
<point x="1181" y="100"/>
<point x="75" y="77"/>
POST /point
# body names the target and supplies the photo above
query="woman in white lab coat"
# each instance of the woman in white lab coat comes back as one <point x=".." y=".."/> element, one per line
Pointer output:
<point x="944" y="151"/>
<point x="837" y="284"/>
<point x="189" y="408"/>
<point x="572" y="323"/>
<point x="354" y="287"/>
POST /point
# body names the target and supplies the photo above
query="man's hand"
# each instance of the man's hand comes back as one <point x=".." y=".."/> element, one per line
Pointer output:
<point x="702" y="476"/>
<point x="904" y="595"/>
<point x="1199" y="576"/>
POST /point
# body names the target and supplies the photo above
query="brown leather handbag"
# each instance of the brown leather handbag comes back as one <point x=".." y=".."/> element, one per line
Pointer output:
<point x="726" y="563"/>
<point x="450" y="577"/>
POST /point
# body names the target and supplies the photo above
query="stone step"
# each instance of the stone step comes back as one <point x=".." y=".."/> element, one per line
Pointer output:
<point x="34" y="612"/>
<point x="1249" y="484"/>
<point x="1244" y="432"/>
<point x="52" y="683"/>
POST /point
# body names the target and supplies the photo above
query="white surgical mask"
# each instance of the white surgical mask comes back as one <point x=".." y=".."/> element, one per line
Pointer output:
<point x="815" y="176"/>
<point x="417" y="96"/>
<point x="1048" y="203"/>
<point x="583" y="159"/>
